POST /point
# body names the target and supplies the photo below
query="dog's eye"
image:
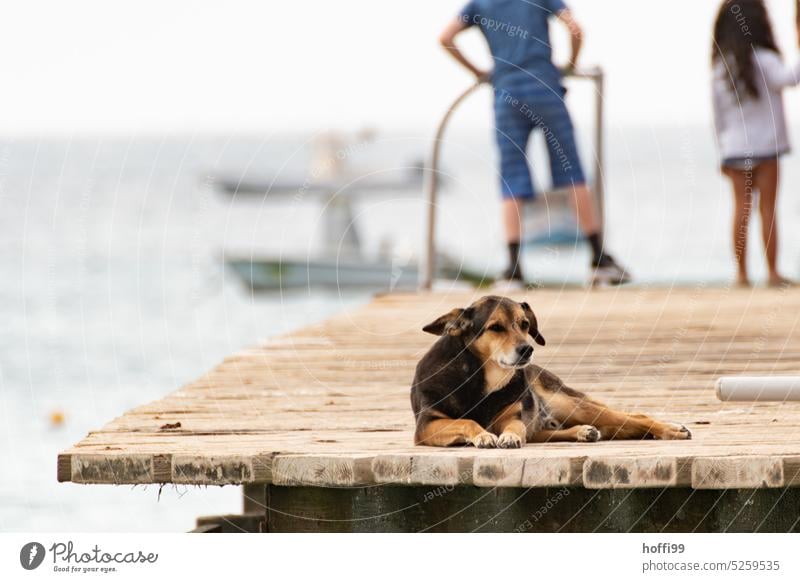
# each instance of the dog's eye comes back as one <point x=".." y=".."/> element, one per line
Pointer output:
<point x="524" y="325"/>
<point x="497" y="328"/>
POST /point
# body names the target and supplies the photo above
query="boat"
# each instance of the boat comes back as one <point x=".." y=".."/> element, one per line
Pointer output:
<point x="265" y="274"/>
<point x="334" y="185"/>
<point x="408" y="181"/>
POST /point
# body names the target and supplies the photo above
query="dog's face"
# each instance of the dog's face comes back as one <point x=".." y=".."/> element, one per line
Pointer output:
<point x="496" y="329"/>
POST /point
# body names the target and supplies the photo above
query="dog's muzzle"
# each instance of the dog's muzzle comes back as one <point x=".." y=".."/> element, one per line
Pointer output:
<point x="522" y="357"/>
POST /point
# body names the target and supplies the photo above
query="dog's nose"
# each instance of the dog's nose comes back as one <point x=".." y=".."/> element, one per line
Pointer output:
<point x="524" y="352"/>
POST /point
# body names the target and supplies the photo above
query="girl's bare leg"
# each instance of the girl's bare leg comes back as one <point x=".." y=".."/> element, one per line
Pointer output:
<point x="742" y="182"/>
<point x="766" y="178"/>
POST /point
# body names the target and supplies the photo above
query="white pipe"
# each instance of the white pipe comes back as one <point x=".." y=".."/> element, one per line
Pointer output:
<point x="758" y="388"/>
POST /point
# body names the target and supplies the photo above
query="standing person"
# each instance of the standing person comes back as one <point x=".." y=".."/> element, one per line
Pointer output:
<point x="748" y="78"/>
<point x="528" y="96"/>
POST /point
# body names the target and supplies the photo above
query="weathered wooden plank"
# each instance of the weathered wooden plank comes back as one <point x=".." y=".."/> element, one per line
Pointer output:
<point x="498" y="471"/>
<point x="392" y="469"/>
<point x="437" y="470"/>
<point x="552" y="472"/>
<point x="636" y="472"/>
<point x="112" y="469"/>
<point x="791" y="471"/>
<point x="328" y="471"/>
<point x="737" y="472"/>
<point x="64" y="468"/>
<point x="205" y="470"/>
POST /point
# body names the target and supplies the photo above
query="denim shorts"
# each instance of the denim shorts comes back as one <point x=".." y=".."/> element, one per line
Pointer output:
<point x="518" y="112"/>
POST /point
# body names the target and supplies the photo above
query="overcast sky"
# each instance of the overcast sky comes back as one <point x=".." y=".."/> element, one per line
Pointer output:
<point x="209" y="67"/>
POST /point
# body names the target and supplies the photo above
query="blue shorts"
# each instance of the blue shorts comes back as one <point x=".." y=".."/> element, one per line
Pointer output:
<point x="517" y="115"/>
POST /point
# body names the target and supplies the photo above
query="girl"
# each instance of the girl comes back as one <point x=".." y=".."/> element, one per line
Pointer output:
<point x="748" y="80"/>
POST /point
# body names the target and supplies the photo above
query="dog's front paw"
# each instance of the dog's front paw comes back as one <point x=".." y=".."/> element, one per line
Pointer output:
<point x="588" y="434"/>
<point x="509" y="440"/>
<point x="485" y="440"/>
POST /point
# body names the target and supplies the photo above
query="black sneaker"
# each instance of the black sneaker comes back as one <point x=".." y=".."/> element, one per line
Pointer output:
<point x="606" y="271"/>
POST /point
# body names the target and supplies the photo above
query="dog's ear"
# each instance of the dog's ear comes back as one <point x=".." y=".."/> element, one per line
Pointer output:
<point x="454" y="322"/>
<point x="533" y="330"/>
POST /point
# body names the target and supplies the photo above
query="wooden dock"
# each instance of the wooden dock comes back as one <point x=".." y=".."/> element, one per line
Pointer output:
<point x="324" y="414"/>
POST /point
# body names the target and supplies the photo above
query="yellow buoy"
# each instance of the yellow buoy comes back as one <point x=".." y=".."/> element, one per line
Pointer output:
<point x="57" y="418"/>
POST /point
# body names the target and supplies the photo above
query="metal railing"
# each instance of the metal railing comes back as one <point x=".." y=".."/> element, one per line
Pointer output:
<point x="428" y="270"/>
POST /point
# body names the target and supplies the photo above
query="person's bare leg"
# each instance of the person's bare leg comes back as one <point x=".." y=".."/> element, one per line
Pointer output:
<point x="512" y="224"/>
<point x="586" y="212"/>
<point x="742" y="183"/>
<point x="606" y="271"/>
<point x="512" y="219"/>
<point x="765" y="179"/>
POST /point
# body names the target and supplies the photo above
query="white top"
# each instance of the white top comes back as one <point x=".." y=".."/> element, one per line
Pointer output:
<point x="750" y="127"/>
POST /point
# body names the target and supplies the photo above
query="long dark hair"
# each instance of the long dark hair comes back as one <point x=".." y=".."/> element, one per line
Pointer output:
<point x="741" y="26"/>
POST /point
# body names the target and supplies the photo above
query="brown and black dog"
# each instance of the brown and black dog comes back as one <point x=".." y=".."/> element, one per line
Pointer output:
<point x="477" y="386"/>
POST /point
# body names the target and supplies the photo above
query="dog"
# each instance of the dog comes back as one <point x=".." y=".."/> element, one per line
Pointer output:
<point x="477" y="385"/>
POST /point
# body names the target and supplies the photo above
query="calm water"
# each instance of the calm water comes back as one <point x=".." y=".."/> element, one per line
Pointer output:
<point x="112" y="291"/>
